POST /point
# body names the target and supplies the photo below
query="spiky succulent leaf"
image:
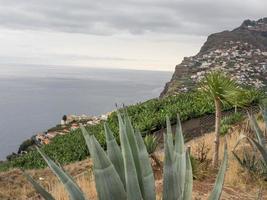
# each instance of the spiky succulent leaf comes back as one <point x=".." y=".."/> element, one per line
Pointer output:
<point x="258" y="131"/>
<point x="73" y="189"/>
<point x="217" y="189"/>
<point x="147" y="172"/>
<point x="241" y="138"/>
<point x="170" y="175"/>
<point x="134" y="148"/>
<point x="114" y="153"/>
<point x="218" y="85"/>
<point x="108" y="182"/>
<point x="261" y="149"/>
<point x="188" y="184"/>
<point x="169" y="134"/>
<point x="180" y="156"/>
<point x="238" y="159"/>
<point x="264" y="113"/>
<point x="46" y="195"/>
<point x="132" y="185"/>
<point x="179" y="138"/>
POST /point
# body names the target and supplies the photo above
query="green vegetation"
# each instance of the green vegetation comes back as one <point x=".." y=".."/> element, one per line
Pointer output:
<point x="127" y="173"/>
<point x="148" y="117"/>
<point x="25" y="145"/>
<point x="151" y="143"/>
<point x="255" y="160"/>
<point x="228" y="121"/>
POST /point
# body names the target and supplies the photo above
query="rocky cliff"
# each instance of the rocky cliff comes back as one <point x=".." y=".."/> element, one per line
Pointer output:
<point x="241" y="52"/>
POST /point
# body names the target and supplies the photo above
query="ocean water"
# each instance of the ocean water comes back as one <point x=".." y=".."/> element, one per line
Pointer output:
<point x="34" y="98"/>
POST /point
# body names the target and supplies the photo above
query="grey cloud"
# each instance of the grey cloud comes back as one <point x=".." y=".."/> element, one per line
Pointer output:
<point x="108" y="17"/>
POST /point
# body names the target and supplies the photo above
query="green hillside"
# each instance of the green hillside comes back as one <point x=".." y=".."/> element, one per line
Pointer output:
<point x="148" y="117"/>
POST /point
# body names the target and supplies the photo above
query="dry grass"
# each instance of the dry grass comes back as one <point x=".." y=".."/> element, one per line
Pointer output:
<point x="85" y="181"/>
<point x="14" y="186"/>
<point x="235" y="175"/>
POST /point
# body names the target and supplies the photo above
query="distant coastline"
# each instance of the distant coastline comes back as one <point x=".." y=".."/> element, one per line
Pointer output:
<point x="67" y="124"/>
<point x="36" y="99"/>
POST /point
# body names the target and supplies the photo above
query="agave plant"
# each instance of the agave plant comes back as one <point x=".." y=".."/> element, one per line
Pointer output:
<point x="125" y="172"/>
<point x="250" y="162"/>
<point x="258" y="143"/>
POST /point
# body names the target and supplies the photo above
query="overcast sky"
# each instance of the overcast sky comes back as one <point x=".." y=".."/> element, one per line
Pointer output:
<point x="139" y="34"/>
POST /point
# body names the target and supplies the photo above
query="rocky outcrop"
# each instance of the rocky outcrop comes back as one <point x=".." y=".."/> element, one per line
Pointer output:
<point x="242" y="53"/>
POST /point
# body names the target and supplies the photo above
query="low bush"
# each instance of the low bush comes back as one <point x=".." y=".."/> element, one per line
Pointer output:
<point x="25" y="145"/>
<point x="230" y="120"/>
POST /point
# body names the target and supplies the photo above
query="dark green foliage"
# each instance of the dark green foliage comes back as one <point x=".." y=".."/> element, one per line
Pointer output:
<point x="25" y="145"/>
<point x="224" y="129"/>
<point x="4" y="165"/>
<point x="233" y="118"/>
<point x="151" y="143"/>
<point x="147" y="117"/>
<point x="12" y="156"/>
<point x="230" y="120"/>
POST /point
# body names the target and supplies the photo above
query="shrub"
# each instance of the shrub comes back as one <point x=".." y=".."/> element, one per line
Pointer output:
<point x="233" y="118"/>
<point x="202" y="151"/>
<point x="151" y="143"/>
<point x="230" y="120"/>
<point x="25" y="145"/>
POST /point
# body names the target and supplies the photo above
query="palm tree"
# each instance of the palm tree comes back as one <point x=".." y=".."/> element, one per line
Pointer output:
<point x="222" y="90"/>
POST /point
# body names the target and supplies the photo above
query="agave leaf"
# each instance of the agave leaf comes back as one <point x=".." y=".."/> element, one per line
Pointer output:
<point x="87" y="137"/>
<point x="169" y="134"/>
<point x="264" y="114"/>
<point x="188" y="186"/>
<point x="261" y="149"/>
<point x="108" y="182"/>
<point x="258" y="131"/>
<point x="241" y="137"/>
<point x="147" y="172"/>
<point x="132" y="185"/>
<point x="46" y="195"/>
<point x="114" y="153"/>
<point x="217" y="189"/>
<point x="73" y="189"/>
<point x="238" y="159"/>
<point x="170" y="176"/>
<point x="180" y="156"/>
<point x="135" y="151"/>
<point x="179" y="138"/>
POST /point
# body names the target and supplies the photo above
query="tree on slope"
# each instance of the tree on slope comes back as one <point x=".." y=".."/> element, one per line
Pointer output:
<point x="222" y="90"/>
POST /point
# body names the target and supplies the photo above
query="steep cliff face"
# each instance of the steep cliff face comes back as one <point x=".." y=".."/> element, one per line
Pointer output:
<point x="241" y="52"/>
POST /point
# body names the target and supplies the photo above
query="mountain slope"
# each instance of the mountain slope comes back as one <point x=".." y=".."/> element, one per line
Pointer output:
<point x="241" y="52"/>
